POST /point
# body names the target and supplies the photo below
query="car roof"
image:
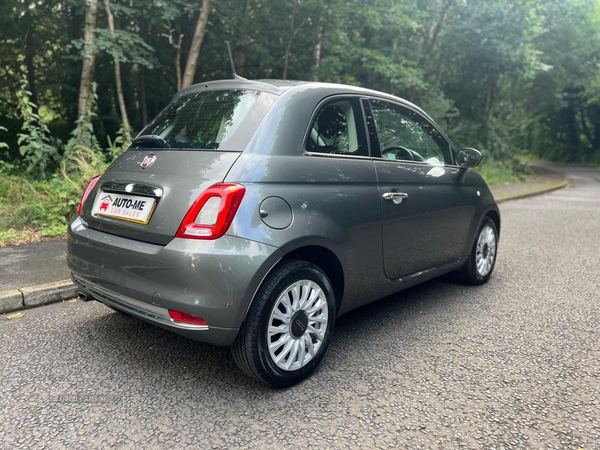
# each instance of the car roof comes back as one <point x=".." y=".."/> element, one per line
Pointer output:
<point x="278" y="87"/>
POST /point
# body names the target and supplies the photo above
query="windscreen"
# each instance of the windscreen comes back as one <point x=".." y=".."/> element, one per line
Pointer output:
<point x="212" y="120"/>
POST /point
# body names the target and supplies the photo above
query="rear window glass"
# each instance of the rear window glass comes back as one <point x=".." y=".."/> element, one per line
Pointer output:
<point x="212" y="120"/>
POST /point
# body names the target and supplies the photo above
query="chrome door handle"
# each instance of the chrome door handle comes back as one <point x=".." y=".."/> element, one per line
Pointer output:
<point x="396" y="197"/>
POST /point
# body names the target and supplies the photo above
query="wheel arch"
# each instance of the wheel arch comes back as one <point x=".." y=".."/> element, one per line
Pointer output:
<point x="495" y="216"/>
<point x="327" y="261"/>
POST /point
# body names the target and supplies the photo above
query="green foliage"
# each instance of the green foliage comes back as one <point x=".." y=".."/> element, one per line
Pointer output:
<point x="80" y="166"/>
<point x="35" y="145"/>
<point x="45" y="206"/>
<point x="83" y="134"/>
<point x="498" y="172"/>
<point x="126" y="47"/>
<point x="116" y="146"/>
<point x="509" y="77"/>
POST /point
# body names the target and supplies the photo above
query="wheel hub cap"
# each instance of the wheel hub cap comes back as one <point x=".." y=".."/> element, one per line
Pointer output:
<point x="297" y="325"/>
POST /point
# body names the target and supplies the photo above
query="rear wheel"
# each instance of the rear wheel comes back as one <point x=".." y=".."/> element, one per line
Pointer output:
<point x="288" y="327"/>
<point x="479" y="265"/>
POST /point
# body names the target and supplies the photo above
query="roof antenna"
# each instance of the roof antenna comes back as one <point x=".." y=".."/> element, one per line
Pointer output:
<point x="235" y="75"/>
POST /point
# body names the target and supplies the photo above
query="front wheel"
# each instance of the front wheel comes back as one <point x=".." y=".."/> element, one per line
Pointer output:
<point x="479" y="265"/>
<point x="289" y="325"/>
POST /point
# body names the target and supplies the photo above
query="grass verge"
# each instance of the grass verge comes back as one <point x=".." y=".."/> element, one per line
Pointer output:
<point x="34" y="211"/>
<point x="499" y="173"/>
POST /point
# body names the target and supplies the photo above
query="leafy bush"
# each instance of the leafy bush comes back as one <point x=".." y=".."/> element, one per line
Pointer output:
<point x="495" y="172"/>
<point x="35" y="143"/>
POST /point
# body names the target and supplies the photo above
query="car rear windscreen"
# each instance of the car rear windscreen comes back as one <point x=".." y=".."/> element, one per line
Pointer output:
<point x="212" y="120"/>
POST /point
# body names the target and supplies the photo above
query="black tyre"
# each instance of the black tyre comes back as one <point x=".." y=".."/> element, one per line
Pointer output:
<point x="289" y="325"/>
<point x="480" y="264"/>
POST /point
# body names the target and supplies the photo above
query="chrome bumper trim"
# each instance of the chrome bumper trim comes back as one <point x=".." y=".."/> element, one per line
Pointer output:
<point x="134" y="307"/>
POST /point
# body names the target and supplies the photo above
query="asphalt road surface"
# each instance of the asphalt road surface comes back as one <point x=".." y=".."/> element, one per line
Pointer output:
<point x="512" y="364"/>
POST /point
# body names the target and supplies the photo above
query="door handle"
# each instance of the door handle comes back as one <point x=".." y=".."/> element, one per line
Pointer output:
<point x="396" y="197"/>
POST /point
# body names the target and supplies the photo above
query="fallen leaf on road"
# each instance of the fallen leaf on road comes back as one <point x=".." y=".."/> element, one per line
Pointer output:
<point x="72" y="301"/>
<point x="15" y="315"/>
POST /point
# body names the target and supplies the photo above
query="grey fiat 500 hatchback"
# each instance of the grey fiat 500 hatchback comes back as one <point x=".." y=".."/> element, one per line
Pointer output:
<point x="251" y="214"/>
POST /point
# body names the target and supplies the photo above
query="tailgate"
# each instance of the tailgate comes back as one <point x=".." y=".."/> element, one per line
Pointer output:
<point x="149" y="204"/>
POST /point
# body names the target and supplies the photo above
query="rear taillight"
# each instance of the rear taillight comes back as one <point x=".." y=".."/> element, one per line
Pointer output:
<point x="87" y="191"/>
<point x="179" y="316"/>
<point x="211" y="214"/>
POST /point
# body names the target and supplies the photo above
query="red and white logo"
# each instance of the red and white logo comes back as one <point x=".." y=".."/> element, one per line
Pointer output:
<point x="148" y="161"/>
<point x="104" y="205"/>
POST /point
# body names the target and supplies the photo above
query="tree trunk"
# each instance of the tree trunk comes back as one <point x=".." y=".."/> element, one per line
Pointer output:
<point x="293" y="33"/>
<point x="433" y="35"/>
<point x="29" y="60"/>
<point x="89" y="56"/>
<point x="288" y="47"/>
<point x="317" y="54"/>
<point x="177" y="47"/>
<point x="143" y="101"/>
<point x="571" y="123"/>
<point x="117" y="64"/>
<point x="178" y="63"/>
<point x="192" y="60"/>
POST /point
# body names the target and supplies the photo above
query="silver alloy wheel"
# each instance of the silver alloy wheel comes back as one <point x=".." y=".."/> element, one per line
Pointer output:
<point x="486" y="251"/>
<point x="297" y="325"/>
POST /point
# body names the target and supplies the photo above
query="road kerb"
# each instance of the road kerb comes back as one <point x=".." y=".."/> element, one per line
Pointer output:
<point x="39" y="295"/>
<point x="11" y="301"/>
<point x="44" y="294"/>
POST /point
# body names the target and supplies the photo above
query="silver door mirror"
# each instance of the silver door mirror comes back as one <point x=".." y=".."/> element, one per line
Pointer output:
<point x="468" y="157"/>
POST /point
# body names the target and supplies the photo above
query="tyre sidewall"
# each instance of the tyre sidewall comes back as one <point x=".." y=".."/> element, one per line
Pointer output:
<point x="278" y="376"/>
<point x="473" y="274"/>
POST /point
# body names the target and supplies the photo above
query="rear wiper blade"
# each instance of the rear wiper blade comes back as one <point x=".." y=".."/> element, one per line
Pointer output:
<point x="150" y="139"/>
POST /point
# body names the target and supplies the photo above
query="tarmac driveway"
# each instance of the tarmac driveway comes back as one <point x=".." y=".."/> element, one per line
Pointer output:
<point x="512" y="364"/>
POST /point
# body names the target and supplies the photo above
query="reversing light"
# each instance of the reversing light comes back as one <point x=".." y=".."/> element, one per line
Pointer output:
<point x="87" y="191"/>
<point x="179" y="316"/>
<point x="211" y="214"/>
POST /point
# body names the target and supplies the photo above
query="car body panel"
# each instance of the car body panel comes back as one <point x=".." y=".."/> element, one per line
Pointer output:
<point x="429" y="227"/>
<point x="321" y="200"/>
<point x="335" y="205"/>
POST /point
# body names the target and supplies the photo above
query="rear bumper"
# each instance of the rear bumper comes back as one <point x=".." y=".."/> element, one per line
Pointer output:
<point x="215" y="280"/>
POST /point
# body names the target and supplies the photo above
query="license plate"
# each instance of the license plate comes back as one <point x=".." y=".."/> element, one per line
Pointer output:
<point x="132" y="208"/>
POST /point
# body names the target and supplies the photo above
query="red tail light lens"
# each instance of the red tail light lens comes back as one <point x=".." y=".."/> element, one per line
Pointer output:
<point x="211" y="214"/>
<point x="87" y="191"/>
<point x="186" y="318"/>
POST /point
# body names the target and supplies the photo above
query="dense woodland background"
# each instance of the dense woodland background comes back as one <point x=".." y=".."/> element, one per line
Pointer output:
<point x="508" y="76"/>
<point x="512" y="77"/>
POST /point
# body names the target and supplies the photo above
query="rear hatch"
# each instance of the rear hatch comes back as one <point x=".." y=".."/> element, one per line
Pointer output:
<point x="191" y="145"/>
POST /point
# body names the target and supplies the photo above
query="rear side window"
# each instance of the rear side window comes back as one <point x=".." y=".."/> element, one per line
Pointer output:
<point x="339" y="129"/>
<point x="212" y="120"/>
